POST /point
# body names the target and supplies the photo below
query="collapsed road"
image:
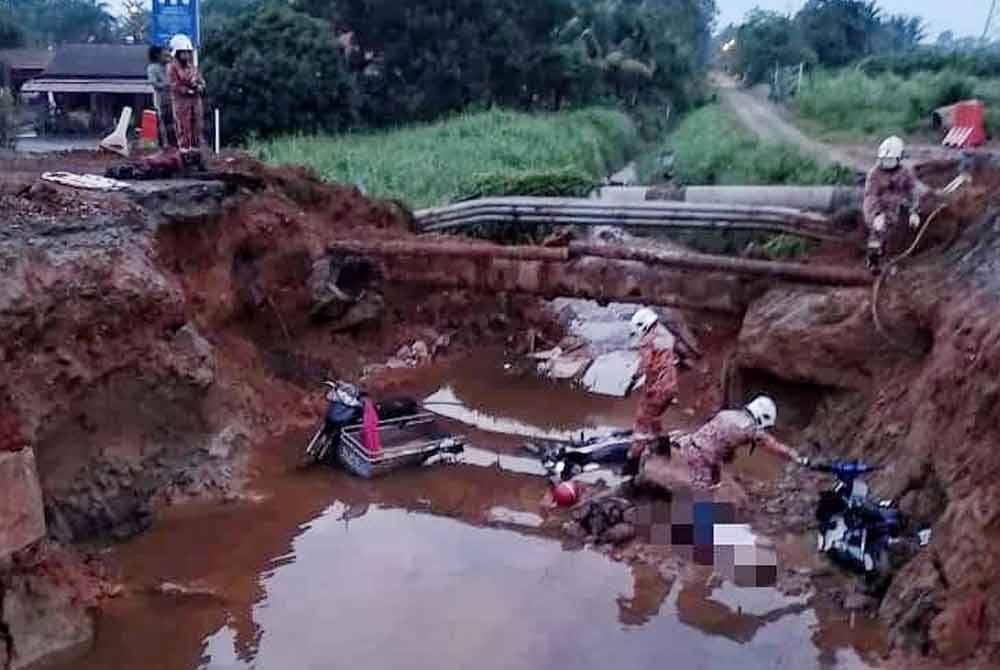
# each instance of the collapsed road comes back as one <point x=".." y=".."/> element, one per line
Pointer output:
<point x="162" y="348"/>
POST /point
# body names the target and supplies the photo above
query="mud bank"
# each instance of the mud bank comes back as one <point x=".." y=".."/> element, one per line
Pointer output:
<point x="151" y="340"/>
<point x="919" y="399"/>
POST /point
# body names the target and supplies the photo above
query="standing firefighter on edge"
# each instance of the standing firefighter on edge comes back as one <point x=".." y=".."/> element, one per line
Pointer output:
<point x="186" y="90"/>
<point x="891" y="195"/>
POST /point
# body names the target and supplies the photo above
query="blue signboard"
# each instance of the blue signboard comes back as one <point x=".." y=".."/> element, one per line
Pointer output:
<point x="173" y="17"/>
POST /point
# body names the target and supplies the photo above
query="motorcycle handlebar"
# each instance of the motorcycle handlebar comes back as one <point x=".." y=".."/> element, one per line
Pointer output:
<point x="844" y="467"/>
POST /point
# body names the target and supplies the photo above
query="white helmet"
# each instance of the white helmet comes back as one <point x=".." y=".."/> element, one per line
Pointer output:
<point x="643" y="320"/>
<point x="764" y="411"/>
<point x="890" y="152"/>
<point x="180" y="42"/>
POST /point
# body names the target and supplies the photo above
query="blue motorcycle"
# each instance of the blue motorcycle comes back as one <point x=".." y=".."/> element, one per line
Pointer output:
<point x="854" y="530"/>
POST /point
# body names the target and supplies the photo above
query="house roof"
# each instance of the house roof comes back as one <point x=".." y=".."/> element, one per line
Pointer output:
<point x="26" y="59"/>
<point x="98" y="61"/>
<point x="84" y="85"/>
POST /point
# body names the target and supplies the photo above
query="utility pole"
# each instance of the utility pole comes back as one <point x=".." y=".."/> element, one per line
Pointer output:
<point x="988" y="28"/>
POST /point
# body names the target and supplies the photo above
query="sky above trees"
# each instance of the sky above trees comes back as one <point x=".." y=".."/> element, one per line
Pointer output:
<point x="964" y="17"/>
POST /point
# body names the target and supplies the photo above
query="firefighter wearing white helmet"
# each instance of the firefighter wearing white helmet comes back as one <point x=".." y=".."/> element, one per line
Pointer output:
<point x="187" y="88"/>
<point x="180" y="43"/>
<point x="658" y="365"/>
<point x="891" y="196"/>
<point x="715" y="443"/>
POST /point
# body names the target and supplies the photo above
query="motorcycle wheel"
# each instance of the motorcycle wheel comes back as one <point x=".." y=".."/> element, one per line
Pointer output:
<point x="314" y="450"/>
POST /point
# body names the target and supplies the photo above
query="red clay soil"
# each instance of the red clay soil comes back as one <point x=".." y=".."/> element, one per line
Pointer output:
<point x="929" y="412"/>
<point x="150" y="341"/>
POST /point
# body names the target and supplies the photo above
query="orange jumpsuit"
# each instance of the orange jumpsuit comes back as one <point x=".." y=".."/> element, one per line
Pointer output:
<point x="186" y="86"/>
<point x="658" y="362"/>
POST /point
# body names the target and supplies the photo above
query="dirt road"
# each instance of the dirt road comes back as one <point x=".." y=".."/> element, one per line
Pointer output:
<point x="765" y="120"/>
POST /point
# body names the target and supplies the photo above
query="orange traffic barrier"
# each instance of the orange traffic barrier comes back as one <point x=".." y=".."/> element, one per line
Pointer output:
<point x="969" y="129"/>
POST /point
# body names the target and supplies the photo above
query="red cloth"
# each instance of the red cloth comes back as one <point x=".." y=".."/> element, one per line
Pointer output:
<point x="369" y="429"/>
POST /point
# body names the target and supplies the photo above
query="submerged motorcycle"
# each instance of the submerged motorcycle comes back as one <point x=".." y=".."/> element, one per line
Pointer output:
<point x="854" y="530"/>
<point x="345" y="407"/>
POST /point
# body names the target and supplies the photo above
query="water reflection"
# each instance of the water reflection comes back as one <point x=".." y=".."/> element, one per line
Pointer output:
<point x="461" y="596"/>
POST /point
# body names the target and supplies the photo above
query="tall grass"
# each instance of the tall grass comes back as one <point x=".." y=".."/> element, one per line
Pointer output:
<point x="710" y="148"/>
<point x="432" y="164"/>
<point x="861" y="106"/>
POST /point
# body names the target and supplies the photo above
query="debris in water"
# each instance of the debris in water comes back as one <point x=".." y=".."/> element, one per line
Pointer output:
<point x="186" y="590"/>
<point x="612" y="374"/>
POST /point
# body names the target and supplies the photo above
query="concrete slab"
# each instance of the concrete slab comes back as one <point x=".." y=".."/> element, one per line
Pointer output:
<point x="22" y="515"/>
<point x="611" y="374"/>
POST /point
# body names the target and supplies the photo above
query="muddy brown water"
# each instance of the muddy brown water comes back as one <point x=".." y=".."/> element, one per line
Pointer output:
<point x="452" y="566"/>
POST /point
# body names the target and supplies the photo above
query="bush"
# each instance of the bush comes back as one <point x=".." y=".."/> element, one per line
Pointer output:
<point x="273" y="69"/>
<point x="431" y="164"/>
<point x="710" y="148"/>
<point x="983" y="62"/>
<point x="866" y="105"/>
<point x="567" y="183"/>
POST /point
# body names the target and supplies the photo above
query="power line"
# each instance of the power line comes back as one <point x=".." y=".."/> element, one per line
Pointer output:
<point x="988" y="28"/>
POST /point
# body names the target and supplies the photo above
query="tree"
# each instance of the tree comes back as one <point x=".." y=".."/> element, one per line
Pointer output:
<point x="135" y="22"/>
<point x="840" y="31"/>
<point x="54" y="22"/>
<point x="214" y="13"/>
<point x="275" y="69"/>
<point x="900" y="33"/>
<point x="11" y="35"/>
<point x="768" y="39"/>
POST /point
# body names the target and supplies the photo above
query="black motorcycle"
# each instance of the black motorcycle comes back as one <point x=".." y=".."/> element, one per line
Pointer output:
<point x="854" y="530"/>
<point x="345" y="407"/>
<point x="565" y="460"/>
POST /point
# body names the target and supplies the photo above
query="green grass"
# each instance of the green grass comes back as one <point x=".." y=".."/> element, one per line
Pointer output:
<point x="710" y="148"/>
<point x="850" y="104"/>
<point x="433" y="164"/>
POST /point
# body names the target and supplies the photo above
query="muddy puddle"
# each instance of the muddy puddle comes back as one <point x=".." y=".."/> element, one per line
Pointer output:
<point x="454" y="566"/>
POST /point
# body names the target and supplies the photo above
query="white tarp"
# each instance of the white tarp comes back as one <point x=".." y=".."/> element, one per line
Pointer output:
<point x="87" y="181"/>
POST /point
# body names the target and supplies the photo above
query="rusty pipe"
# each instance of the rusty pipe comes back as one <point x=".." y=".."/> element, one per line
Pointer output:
<point x="450" y="248"/>
<point x="795" y="272"/>
<point x="689" y="261"/>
